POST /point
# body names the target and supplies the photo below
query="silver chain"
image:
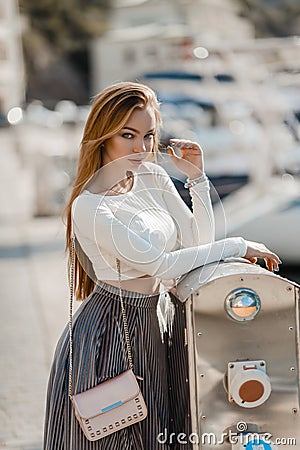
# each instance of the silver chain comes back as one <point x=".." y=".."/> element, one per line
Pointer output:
<point x="127" y="339"/>
<point x="71" y="315"/>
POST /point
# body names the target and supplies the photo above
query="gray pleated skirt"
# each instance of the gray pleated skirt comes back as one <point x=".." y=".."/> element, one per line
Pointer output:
<point x="99" y="353"/>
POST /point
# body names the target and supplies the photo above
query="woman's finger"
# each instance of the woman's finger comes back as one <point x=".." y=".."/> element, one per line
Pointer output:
<point x="176" y="143"/>
<point x="269" y="264"/>
<point x="184" y="144"/>
<point x="172" y="152"/>
<point x="253" y="260"/>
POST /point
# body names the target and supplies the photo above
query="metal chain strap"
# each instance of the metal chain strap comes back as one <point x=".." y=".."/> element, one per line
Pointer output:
<point x="127" y="339"/>
<point x="71" y="314"/>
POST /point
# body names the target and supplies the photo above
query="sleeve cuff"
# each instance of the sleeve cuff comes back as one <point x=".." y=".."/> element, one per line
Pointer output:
<point x="242" y="246"/>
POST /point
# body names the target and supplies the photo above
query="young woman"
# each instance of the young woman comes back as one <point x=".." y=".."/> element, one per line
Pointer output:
<point x="125" y="207"/>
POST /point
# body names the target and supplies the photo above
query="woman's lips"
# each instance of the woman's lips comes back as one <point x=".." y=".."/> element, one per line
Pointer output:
<point x="136" y="160"/>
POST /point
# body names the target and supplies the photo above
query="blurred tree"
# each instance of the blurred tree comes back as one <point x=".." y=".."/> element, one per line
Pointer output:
<point x="67" y="24"/>
<point x="56" y="42"/>
<point x="277" y="18"/>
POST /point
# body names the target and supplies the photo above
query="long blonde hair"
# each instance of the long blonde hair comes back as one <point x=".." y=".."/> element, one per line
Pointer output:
<point x="110" y="111"/>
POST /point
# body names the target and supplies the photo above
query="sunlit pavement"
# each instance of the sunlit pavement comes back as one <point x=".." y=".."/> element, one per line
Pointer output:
<point x="34" y="303"/>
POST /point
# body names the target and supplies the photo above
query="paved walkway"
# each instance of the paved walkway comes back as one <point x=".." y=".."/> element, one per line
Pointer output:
<point x="34" y="304"/>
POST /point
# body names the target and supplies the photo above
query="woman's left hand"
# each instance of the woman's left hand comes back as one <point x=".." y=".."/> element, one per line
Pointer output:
<point x="191" y="160"/>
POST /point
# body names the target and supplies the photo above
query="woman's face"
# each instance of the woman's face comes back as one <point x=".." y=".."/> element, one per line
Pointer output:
<point x="133" y="141"/>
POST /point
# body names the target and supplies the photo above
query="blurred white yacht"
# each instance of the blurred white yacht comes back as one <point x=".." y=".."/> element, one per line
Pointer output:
<point x="265" y="210"/>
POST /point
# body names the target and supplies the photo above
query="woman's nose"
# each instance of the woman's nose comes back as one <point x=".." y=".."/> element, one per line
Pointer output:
<point x="140" y="147"/>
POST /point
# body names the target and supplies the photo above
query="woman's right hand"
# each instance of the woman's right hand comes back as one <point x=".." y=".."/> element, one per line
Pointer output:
<point x="257" y="250"/>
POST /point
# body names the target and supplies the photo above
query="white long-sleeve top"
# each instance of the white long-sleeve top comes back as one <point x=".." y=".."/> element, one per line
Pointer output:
<point x="149" y="229"/>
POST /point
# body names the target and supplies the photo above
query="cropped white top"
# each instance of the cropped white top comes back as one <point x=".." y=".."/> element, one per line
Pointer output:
<point x="149" y="229"/>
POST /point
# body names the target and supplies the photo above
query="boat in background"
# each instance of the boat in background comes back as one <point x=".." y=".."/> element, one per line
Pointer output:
<point x="268" y="213"/>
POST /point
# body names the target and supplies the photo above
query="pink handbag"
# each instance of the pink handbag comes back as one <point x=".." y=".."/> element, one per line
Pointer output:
<point x="114" y="404"/>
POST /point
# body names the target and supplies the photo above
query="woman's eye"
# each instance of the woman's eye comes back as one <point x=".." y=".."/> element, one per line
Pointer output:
<point x="127" y="135"/>
<point x="149" y="135"/>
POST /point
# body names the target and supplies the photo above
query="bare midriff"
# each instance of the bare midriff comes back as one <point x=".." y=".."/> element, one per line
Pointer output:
<point x="144" y="285"/>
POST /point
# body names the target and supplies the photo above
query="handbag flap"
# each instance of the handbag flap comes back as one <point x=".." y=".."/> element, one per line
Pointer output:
<point x="107" y="395"/>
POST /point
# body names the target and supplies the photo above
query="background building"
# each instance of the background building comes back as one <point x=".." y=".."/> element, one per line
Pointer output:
<point x="160" y="35"/>
<point x="12" y="81"/>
